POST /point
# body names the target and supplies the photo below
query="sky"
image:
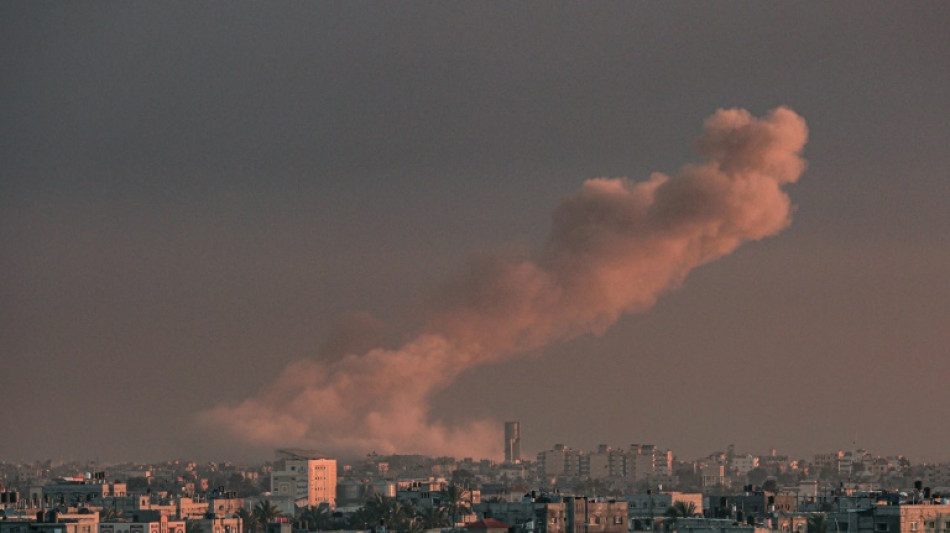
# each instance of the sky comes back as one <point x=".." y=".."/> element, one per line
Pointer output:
<point x="213" y="215"/>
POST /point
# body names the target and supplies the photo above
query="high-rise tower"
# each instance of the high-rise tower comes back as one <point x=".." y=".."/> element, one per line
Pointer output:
<point x="512" y="442"/>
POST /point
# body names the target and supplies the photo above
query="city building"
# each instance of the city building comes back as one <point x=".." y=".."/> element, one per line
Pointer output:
<point x="559" y="461"/>
<point x="553" y="514"/>
<point x="647" y="462"/>
<point x="743" y="464"/>
<point x="139" y="525"/>
<point x="605" y="463"/>
<point x="713" y="475"/>
<point x="81" y="490"/>
<point x="51" y="521"/>
<point x="218" y="524"/>
<point x="223" y="503"/>
<point x="306" y="476"/>
<point x="487" y="525"/>
<point x="433" y="493"/>
<point x="643" y="509"/>
<point x="588" y="515"/>
<point x="899" y="518"/>
<point x="711" y="525"/>
<point x="512" y="442"/>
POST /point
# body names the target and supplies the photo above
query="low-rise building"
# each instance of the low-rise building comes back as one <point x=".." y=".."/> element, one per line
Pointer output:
<point x="900" y="518"/>
<point x="651" y="505"/>
<point x="487" y="525"/>
<point x="553" y="514"/>
<point x="52" y="521"/>
<point x="588" y="515"/>
<point x="231" y="524"/>
<point x="708" y="525"/>
<point x="139" y="525"/>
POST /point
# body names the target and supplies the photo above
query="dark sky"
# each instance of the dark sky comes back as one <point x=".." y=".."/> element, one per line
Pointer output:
<point x="192" y="195"/>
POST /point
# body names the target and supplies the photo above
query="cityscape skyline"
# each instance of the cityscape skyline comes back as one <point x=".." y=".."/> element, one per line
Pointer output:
<point x="369" y="226"/>
<point x="510" y="451"/>
<point x="640" y="488"/>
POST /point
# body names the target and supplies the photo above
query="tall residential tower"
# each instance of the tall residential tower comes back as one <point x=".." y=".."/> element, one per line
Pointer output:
<point x="512" y="442"/>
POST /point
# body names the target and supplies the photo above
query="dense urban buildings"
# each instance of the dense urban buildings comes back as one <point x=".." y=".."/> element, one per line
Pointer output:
<point x="638" y="487"/>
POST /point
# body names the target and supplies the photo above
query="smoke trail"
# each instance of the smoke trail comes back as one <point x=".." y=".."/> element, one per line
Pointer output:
<point x="614" y="248"/>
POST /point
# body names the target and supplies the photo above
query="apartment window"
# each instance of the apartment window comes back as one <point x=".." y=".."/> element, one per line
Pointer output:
<point x="913" y="526"/>
<point x="880" y="526"/>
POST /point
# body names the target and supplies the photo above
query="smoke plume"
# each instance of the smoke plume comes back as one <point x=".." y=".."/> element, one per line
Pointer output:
<point x="615" y="246"/>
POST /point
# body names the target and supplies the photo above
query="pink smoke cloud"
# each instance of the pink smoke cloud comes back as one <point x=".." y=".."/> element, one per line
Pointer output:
<point x="615" y="246"/>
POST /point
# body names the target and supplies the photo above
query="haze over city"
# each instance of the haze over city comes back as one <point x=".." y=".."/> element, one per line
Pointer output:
<point x="356" y="227"/>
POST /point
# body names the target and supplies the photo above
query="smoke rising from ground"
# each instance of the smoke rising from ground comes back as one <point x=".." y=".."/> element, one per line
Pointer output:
<point x="615" y="246"/>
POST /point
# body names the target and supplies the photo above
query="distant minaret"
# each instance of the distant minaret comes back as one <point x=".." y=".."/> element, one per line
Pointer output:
<point x="512" y="442"/>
